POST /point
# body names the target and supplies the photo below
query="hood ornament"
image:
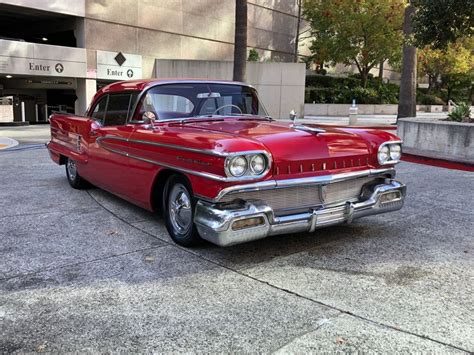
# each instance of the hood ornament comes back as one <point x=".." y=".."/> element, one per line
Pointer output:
<point x="302" y="127"/>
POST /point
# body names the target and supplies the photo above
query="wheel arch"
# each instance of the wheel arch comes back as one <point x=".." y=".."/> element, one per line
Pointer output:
<point x="62" y="159"/>
<point x="159" y="184"/>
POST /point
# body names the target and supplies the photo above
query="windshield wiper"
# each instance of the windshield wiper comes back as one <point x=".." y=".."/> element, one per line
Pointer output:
<point x="207" y="118"/>
<point x="253" y="117"/>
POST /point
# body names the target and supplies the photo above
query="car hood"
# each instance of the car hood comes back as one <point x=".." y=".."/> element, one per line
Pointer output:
<point x="296" y="150"/>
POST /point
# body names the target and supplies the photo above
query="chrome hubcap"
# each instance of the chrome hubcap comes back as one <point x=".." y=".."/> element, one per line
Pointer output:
<point x="179" y="207"/>
<point x="71" y="169"/>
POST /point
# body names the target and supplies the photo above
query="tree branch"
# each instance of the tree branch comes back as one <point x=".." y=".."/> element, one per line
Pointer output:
<point x="358" y="65"/>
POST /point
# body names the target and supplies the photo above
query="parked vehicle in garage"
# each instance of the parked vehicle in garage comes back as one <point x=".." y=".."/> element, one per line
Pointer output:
<point x="208" y="156"/>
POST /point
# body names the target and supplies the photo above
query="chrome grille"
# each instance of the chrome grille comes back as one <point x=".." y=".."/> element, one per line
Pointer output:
<point x="303" y="196"/>
<point x="285" y="198"/>
<point x="345" y="190"/>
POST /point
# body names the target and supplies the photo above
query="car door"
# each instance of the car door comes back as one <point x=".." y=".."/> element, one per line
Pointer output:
<point x="107" y="143"/>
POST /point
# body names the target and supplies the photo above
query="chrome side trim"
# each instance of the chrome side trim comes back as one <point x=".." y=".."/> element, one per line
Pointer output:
<point x="187" y="149"/>
<point x="315" y="180"/>
<point x="169" y="166"/>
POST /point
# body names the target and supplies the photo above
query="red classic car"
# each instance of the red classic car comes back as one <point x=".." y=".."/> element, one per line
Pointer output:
<point x="208" y="156"/>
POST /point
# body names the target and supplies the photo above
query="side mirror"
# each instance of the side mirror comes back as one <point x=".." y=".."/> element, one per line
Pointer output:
<point x="293" y="115"/>
<point x="149" y="117"/>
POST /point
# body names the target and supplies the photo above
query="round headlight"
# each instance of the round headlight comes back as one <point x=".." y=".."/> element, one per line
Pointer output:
<point x="395" y="151"/>
<point x="383" y="154"/>
<point x="257" y="164"/>
<point x="238" y="166"/>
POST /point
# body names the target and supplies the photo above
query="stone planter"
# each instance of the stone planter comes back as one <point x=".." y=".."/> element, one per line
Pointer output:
<point x="438" y="139"/>
<point x="343" y="109"/>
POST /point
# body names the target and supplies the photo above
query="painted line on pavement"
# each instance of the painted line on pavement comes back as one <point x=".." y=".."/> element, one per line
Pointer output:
<point x="6" y="143"/>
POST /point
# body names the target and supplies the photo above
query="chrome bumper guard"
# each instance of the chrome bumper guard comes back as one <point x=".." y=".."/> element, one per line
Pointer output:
<point x="215" y="223"/>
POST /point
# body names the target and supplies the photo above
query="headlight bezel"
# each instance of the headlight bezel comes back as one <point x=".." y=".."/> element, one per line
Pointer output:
<point x="388" y="147"/>
<point x="245" y="165"/>
<point x="252" y="159"/>
<point x="249" y="172"/>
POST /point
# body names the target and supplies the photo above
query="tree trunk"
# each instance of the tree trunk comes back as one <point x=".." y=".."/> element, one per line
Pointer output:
<point x="240" y="40"/>
<point x="381" y="70"/>
<point x="364" y="74"/>
<point x="431" y="82"/>
<point x="407" y="96"/>
<point x="297" y="37"/>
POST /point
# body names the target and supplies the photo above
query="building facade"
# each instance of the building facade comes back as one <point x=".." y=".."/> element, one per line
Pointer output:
<point x="54" y="55"/>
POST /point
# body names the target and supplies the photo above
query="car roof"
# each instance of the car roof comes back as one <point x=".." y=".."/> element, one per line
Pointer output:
<point x="139" y="85"/>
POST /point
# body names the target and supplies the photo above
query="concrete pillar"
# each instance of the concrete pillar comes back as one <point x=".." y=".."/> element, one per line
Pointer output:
<point x="36" y="112"/>
<point x="353" y="114"/>
<point x="23" y="111"/>
<point x="46" y="112"/>
<point x="86" y="89"/>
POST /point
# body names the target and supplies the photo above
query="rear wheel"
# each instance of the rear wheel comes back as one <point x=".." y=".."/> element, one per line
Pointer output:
<point x="178" y="208"/>
<point x="75" y="180"/>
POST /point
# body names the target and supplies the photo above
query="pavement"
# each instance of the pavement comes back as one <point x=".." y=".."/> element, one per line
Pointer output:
<point x="84" y="271"/>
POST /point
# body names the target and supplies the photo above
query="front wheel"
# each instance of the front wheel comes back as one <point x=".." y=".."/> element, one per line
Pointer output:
<point x="178" y="207"/>
<point x="75" y="180"/>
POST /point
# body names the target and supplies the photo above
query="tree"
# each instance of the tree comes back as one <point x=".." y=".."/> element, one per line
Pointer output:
<point x="298" y="25"/>
<point x="453" y="65"/>
<point x="407" y="96"/>
<point x="440" y="22"/>
<point x="455" y="59"/>
<point x="240" y="40"/>
<point x="362" y="32"/>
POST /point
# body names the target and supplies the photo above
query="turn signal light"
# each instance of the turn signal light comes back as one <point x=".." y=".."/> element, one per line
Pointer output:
<point x="389" y="197"/>
<point x="247" y="223"/>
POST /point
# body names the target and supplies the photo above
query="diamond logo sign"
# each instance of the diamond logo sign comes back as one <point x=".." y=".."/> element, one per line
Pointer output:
<point x="120" y="58"/>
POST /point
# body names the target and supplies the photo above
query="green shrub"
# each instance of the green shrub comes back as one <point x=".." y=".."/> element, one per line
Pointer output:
<point x="324" y="81"/>
<point x="461" y="113"/>
<point x="253" y="56"/>
<point x="344" y="95"/>
<point x="319" y="95"/>
<point x="388" y="93"/>
<point x="428" y="99"/>
<point x="328" y="89"/>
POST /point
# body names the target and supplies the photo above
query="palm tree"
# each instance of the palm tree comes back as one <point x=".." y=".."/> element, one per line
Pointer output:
<point x="407" y="97"/>
<point x="297" y="37"/>
<point x="240" y="41"/>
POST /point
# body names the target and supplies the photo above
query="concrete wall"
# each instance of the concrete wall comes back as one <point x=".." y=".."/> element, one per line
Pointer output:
<point x="343" y="109"/>
<point x="280" y="85"/>
<point x="68" y="7"/>
<point x="188" y="29"/>
<point x="438" y="139"/>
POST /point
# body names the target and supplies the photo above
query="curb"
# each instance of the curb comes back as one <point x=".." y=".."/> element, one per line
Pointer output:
<point x="13" y="124"/>
<point x="447" y="164"/>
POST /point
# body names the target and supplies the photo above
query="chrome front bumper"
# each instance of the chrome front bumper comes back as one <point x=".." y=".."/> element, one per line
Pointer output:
<point x="215" y="223"/>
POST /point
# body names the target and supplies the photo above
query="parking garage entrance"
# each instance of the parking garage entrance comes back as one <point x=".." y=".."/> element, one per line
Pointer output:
<point x="34" y="99"/>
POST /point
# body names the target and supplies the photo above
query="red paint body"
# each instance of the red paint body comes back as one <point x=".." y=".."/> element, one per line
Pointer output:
<point x="295" y="153"/>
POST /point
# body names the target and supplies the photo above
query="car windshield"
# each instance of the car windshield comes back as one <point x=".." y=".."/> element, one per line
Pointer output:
<point x="187" y="100"/>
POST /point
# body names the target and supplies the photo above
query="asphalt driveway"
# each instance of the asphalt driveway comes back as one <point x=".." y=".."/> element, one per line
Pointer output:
<point x="85" y="271"/>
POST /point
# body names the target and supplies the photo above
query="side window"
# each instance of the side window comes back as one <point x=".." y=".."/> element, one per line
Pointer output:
<point x="99" y="110"/>
<point x="117" y="109"/>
